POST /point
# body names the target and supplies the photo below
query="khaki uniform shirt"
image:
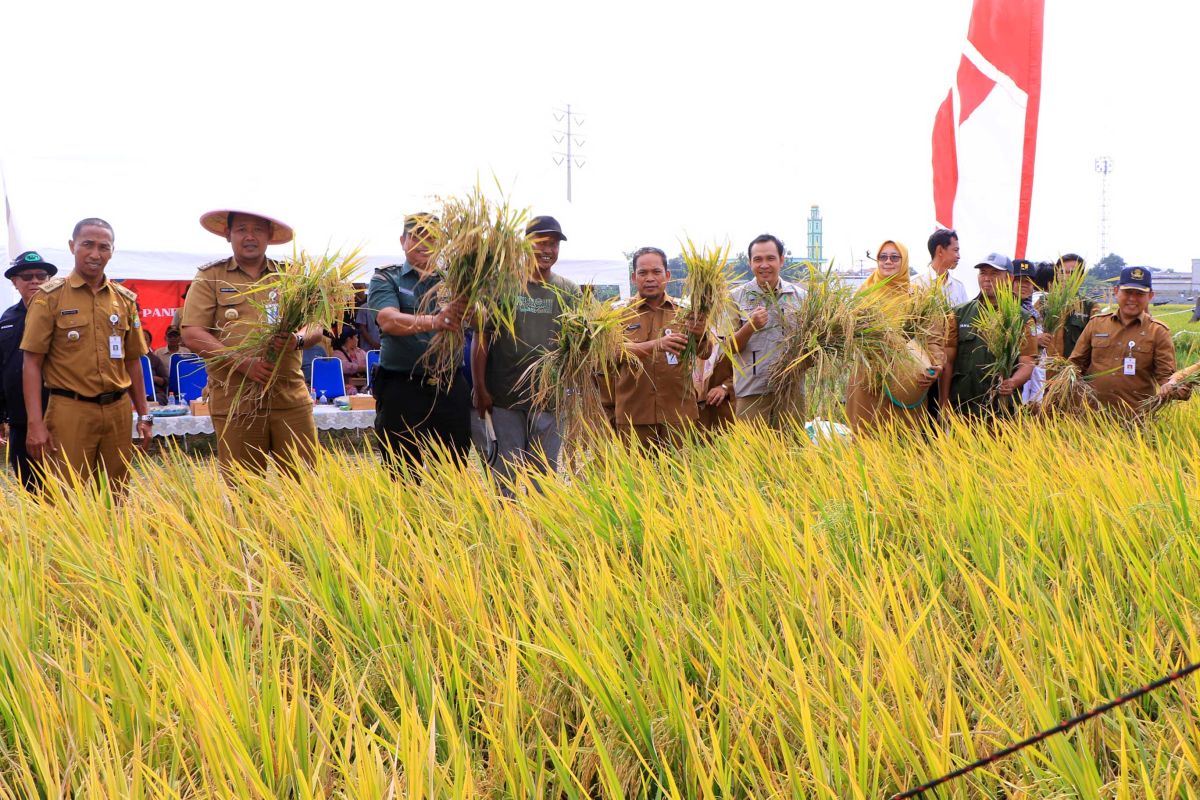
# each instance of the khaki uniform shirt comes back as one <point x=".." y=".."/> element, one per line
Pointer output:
<point x="223" y="301"/>
<point x="660" y="392"/>
<point x="72" y="326"/>
<point x="1105" y="344"/>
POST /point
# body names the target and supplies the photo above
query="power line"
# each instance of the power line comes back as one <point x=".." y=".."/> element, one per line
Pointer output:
<point x="571" y="157"/>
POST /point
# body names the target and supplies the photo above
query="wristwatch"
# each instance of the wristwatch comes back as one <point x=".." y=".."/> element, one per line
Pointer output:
<point x="146" y="418"/>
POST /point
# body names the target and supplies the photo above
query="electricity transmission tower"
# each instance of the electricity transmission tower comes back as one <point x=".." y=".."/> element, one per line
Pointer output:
<point x="571" y="141"/>
<point x="1104" y="166"/>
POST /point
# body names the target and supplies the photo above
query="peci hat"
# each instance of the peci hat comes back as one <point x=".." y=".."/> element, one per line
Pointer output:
<point x="545" y="225"/>
<point x="218" y="222"/>
<point x="30" y="259"/>
<point x="1136" y="278"/>
<point x="996" y="261"/>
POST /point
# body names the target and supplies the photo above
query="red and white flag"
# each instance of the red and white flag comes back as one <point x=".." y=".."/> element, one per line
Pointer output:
<point x="985" y="132"/>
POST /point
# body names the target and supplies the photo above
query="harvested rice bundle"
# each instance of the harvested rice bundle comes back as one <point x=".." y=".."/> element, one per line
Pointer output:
<point x="591" y="344"/>
<point x="1186" y="378"/>
<point x="485" y="260"/>
<point x="1067" y="390"/>
<point x="833" y="331"/>
<point x="706" y="292"/>
<point x="1062" y="299"/>
<point x="305" y="291"/>
<point x="1003" y="327"/>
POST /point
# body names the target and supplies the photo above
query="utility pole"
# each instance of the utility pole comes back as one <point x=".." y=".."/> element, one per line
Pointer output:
<point x="570" y="156"/>
<point x="1104" y="166"/>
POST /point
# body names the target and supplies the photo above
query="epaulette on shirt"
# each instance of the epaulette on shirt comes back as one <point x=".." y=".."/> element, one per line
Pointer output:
<point x="52" y="285"/>
<point x="212" y="264"/>
<point x="128" y="294"/>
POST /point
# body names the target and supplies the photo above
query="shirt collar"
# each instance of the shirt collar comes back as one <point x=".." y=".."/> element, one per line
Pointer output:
<point x="76" y="281"/>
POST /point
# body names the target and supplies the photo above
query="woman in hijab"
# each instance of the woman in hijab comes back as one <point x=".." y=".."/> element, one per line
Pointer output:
<point x="866" y="408"/>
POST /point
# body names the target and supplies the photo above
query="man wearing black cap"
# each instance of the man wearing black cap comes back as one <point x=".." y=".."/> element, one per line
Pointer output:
<point x="1062" y="344"/>
<point x="1129" y="354"/>
<point x="28" y="271"/>
<point x="966" y="387"/>
<point x="499" y="361"/>
<point x="411" y="409"/>
<point x="1024" y="283"/>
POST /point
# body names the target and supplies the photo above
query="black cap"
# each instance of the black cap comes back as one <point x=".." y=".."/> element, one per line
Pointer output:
<point x="1136" y="278"/>
<point x="1023" y="268"/>
<point x="546" y="226"/>
<point x="1070" y="257"/>
<point x="29" y="260"/>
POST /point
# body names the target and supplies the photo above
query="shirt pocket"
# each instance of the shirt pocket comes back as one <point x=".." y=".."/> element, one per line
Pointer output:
<point x="1106" y="355"/>
<point x="233" y="309"/>
<point x="71" y="332"/>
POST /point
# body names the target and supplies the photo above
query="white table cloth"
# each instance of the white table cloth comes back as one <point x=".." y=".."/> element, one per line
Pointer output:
<point x="328" y="418"/>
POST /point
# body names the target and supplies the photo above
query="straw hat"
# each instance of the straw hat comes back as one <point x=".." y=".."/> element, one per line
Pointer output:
<point x="218" y="222"/>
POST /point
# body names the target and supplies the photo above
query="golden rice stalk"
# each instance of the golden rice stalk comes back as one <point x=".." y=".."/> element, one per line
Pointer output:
<point x="706" y="294"/>
<point x="306" y="290"/>
<point x="1003" y="327"/>
<point x="1188" y="377"/>
<point x="1061" y="300"/>
<point x="480" y="249"/>
<point x="590" y="346"/>
<point x="835" y="331"/>
<point x="1067" y="390"/>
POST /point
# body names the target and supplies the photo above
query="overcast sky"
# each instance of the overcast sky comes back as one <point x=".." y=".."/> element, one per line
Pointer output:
<point x="714" y="120"/>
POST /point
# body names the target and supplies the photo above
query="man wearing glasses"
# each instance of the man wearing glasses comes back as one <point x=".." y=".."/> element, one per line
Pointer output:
<point x="28" y="271"/>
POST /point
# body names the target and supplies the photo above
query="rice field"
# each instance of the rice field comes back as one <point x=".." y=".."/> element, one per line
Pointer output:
<point x="760" y="617"/>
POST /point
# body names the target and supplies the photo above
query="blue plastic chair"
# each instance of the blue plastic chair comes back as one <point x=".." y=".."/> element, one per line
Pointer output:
<point x="173" y="370"/>
<point x="193" y="377"/>
<point x="327" y="377"/>
<point x="372" y="363"/>
<point x="148" y="378"/>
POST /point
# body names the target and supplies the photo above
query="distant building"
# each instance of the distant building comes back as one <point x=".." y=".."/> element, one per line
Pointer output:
<point x="1176" y="287"/>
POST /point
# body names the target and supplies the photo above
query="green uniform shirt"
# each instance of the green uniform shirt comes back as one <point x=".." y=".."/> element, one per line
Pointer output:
<point x="400" y="286"/>
<point x="1075" y="324"/>
<point x="537" y="324"/>
<point x="970" y="386"/>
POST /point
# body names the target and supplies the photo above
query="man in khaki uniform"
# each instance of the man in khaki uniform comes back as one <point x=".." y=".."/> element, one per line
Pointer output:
<point x="220" y="308"/>
<point x="1128" y="354"/>
<point x="83" y="342"/>
<point x="654" y="405"/>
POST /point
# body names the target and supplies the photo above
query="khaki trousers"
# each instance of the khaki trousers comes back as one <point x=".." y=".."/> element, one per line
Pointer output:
<point x="91" y="438"/>
<point x="764" y="409"/>
<point x="289" y="435"/>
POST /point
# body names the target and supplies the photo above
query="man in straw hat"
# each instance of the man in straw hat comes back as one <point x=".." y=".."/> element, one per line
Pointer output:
<point x="221" y="306"/>
<point x="1129" y="355"/>
<point x="965" y="385"/>
<point x="28" y="272"/>
<point x="412" y="411"/>
<point x="83" y="342"/>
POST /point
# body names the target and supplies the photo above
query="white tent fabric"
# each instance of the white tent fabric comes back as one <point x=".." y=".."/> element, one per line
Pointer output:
<point x="182" y="266"/>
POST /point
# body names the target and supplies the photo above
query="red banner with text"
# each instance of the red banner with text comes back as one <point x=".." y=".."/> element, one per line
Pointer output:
<point x="157" y="301"/>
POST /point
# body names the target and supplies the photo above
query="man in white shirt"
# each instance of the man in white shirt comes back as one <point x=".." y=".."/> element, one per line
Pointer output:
<point x="943" y="255"/>
<point x="756" y="344"/>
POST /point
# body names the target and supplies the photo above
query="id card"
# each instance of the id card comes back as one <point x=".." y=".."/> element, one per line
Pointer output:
<point x="1130" y="366"/>
<point x="116" y="347"/>
<point x="272" y="313"/>
<point x="672" y="359"/>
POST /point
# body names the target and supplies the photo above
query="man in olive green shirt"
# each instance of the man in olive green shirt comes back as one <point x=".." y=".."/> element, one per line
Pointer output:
<point x="499" y="361"/>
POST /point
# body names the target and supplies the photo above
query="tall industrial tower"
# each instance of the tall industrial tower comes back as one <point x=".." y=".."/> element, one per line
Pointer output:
<point x="1104" y="166"/>
<point x="570" y="156"/>
<point x="814" y="236"/>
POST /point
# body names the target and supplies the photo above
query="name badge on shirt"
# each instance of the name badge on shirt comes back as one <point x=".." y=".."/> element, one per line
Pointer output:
<point x="672" y="359"/>
<point x="272" y="313"/>
<point x="116" y="347"/>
